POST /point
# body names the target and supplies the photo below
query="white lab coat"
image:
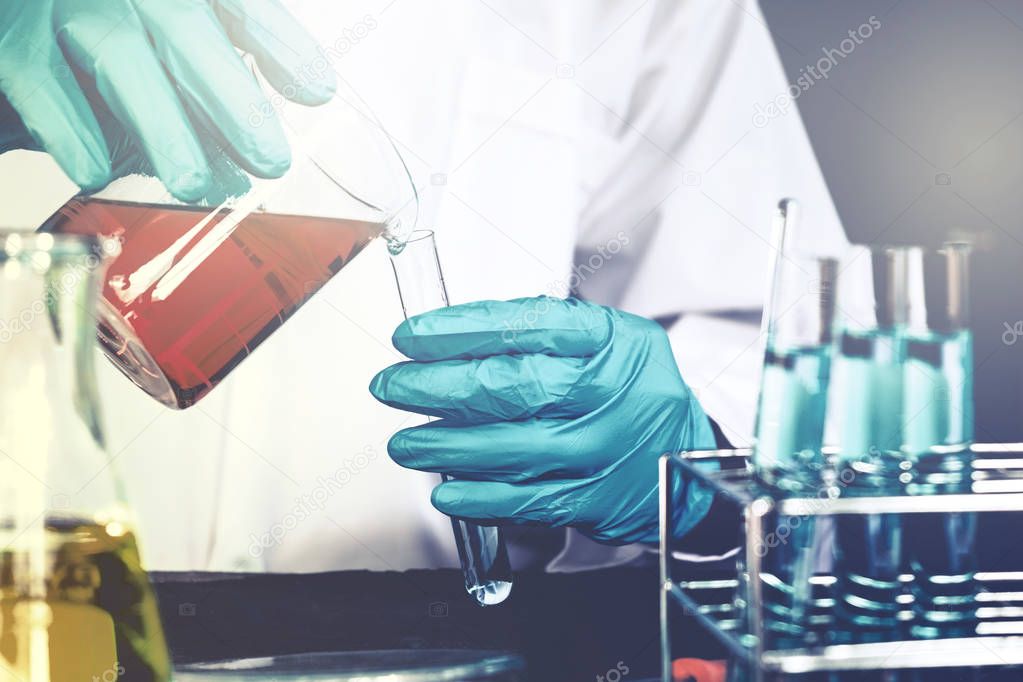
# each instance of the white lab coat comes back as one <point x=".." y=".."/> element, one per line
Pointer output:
<point x="614" y="135"/>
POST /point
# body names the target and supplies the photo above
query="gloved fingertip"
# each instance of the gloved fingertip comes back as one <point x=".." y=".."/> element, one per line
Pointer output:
<point x="398" y="449"/>
<point x="91" y="177"/>
<point x="403" y="338"/>
<point x="271" y="163"/>
<point x="190" y="185"/>
<point x="266" y="153"/>
<point x="317" y="91"/>
<point x="378" y="386"/>
<point x="445" y="500"/>
<point x="90" y="169"/>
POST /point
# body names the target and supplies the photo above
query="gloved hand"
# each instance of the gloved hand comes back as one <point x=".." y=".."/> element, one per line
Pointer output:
<point x="137" y="72"/>
<point x="553" y="412"/>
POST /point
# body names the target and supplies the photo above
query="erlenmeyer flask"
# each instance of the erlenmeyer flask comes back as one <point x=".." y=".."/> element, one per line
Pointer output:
<point x="199" y="286"/>
<point x="75" y="603"/>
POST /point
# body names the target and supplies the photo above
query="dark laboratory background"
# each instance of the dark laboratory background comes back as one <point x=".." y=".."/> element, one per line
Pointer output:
<point x="920" y="137"/>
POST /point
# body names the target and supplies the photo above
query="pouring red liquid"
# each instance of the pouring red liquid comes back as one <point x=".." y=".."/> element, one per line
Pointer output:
<point x="193" y="293"/>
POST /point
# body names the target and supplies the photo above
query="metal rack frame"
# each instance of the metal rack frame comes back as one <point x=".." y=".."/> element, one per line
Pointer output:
<point x="997" y="487"/>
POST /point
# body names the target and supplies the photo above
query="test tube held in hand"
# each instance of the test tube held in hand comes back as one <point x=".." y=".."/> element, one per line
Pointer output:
<point x="481" y="549"/>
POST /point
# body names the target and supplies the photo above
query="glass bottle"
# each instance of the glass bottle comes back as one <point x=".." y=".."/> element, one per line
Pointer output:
<point x="75" y="603"/>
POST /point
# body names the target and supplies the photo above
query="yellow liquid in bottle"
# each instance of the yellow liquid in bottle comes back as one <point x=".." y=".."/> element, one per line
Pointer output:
<point x="99" y="620"/>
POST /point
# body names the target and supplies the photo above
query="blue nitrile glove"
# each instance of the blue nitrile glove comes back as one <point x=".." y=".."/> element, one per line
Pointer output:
<point x="88" y="80"/>
<point x="553" y="412"/>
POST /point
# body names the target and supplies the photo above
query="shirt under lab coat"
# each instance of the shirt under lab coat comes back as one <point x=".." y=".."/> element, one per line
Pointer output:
<point x="602" y="147"/>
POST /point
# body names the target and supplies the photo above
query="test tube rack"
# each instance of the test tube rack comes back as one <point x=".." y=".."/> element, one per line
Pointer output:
<point x="736" y="618"/>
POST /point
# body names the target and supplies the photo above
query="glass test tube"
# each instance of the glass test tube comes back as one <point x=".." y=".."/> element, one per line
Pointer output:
<point x="481" y="549"/>
<point x="788" y="454"/>
<point x="938" y="430"/>
<point x="793" y="389"/>
<point x="939" y="376"/>
<point x="865" y="407"/>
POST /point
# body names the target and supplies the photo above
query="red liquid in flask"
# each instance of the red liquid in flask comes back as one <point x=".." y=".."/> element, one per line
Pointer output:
<point x="191" y="294"/>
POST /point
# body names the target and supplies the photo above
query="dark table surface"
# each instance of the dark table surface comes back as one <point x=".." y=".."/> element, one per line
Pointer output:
<point x="567" y="626"/>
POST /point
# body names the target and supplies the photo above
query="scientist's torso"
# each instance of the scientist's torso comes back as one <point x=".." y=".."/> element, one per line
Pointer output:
<point x="606" y="148"/>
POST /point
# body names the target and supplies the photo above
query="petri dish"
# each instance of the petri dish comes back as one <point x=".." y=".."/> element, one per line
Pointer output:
<point x="404" y="665"/>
